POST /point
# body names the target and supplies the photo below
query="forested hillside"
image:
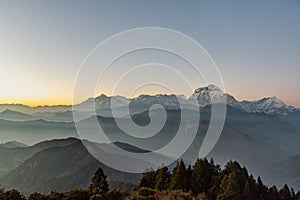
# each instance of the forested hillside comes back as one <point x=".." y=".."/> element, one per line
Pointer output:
<point x="205" y="180"/>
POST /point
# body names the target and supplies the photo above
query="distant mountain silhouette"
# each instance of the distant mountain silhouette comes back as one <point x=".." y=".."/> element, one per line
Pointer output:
<point x="12" y="144"/>
<point x="286" y="171"/>
<point x="15" y="115"/>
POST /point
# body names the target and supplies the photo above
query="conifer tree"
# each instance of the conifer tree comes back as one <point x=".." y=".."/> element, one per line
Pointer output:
<point x="162" y="179"/>
<point x="148" y="179"/>
<point x="99" y="181"/>
<point x="178" y="177"/>
<point x="229" y="188"/>
<point x="285" y="193"/>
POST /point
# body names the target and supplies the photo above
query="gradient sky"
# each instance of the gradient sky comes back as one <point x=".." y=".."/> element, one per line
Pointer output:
<point x="256" y="44"/>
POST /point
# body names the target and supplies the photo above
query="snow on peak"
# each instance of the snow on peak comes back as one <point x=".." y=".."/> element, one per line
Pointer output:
<point x="269" y="105"/>
<point x="206" y="95"/>
<point x="209" y="88"/>
<point x="202" y="96"/>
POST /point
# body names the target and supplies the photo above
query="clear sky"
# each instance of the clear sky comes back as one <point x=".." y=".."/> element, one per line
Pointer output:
<point x="256" y="44"/>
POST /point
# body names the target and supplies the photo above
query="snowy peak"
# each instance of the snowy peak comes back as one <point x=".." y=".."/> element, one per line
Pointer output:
<point x="202" y="97"/>
<point x="102" y="98"/>
<point x="209" y="88"/>
<point x="269" y="105"/>
<point x="168" y="101"/>
<point x="206" y="95"/>
<point x="274" y="102"/>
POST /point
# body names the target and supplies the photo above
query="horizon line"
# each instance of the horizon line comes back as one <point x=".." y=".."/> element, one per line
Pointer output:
<point x="36" y="105"/>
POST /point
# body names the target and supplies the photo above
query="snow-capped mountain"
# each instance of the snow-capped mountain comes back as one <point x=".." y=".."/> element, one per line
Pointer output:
<point x="202" y="97"/>
<point x="207" y="95"/>
<point x="102" y="102"/>
<point x="171" y="102"/>
<point x="270" y="105"/>
<point x="211" y="93"/>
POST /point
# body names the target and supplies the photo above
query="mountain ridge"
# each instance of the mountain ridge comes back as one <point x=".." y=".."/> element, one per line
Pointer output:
<point x="269" y="105"/>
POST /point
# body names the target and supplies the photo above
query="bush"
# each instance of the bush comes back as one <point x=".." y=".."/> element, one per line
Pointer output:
<point x="144" y="193"/>
<point x="177" y="194"/>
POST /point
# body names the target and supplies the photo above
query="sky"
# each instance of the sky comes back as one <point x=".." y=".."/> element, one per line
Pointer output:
<point x="255" y="44"/>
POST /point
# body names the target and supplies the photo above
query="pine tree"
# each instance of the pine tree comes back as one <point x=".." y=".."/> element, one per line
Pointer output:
<point x="202" y="176"/>
<point x="13" y="195"/>
<point x="247" y="194"/>
<point x="162" y="178"/>
<point x="229" y="188"/>
<point x="99" y="181"/>
<point x="178" y="177"/>
<point x="148" y="179"/>
<point x="293" y="195"/>
<point x="188" y="178"/>
<point x="273" y="193"/>
<point x="285" y="193"/>
<point x="261" y="188"/>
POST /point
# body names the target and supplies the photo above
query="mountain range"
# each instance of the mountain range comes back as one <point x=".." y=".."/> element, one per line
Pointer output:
<point x="263" y="135"/>
<point x="103" y="103"/>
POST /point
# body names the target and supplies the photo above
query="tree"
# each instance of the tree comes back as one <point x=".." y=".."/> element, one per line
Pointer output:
<point x="285" y="193"/>
<point x="13" y="195"/>
<point x="1" y="193"/>
<point x="188" y="178"/>
<point x="99" y="181"/>
<point x="144" y="193"/>
<point x="202" y="176"/>
<point x="247" y="194"/>
<point x="178" y="181"/>
<point x="55" y="195"/>
<point x="148" y="179"/>
<point x="162" y="178"/>
<point x="273" y="193"/>
<point x="115" y="194"/>
<point x="293" y="195"/>
<point x="229" y="188"/>
<point x="36" y="196"/>
<point x="77" y="194"/>
<point x="261" y="188"/>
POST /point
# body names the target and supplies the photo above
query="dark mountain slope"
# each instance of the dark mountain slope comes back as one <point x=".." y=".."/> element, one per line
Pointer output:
<point x="13" y="157"/>
<point x="60" y="169"/>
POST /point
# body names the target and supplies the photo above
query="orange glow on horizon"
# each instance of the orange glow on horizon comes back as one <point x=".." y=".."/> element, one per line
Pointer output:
<point x="69" y="101"/>
<point x="36" y="103"/>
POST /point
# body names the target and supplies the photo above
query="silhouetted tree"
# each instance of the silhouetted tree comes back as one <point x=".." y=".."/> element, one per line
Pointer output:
<point x="178" y="177"/>
<point x="293" y="195"/>
<point x="13" y="195"/>
<point x="148" y="179"/>
<point x="202" y="176"/>
<point x="77" y="194"/>
<point x="285" y="193"/>
<point x="36" y="196"/>
<point x="162" y="179"/>
<point x="273" y="193"/>
<point x="99" y="181"/>
<point x="247" y="194"/>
